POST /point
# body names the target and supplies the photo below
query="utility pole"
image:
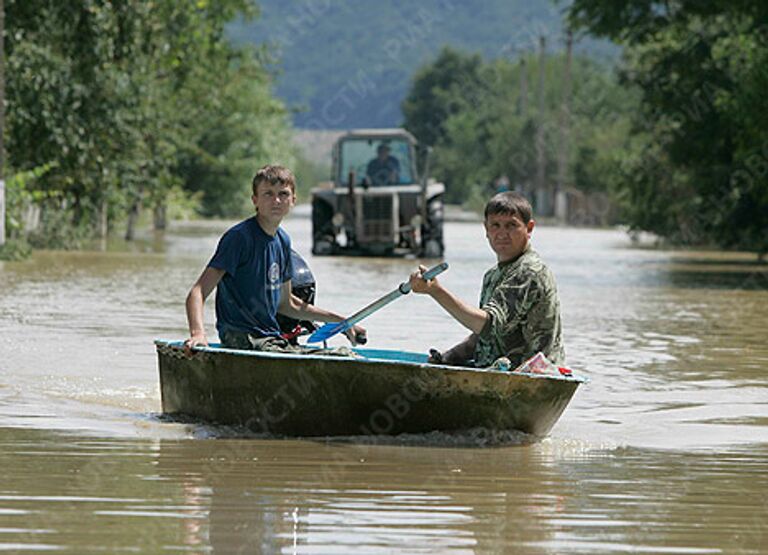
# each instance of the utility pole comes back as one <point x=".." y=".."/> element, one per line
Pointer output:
<point x="2" y="123"/>
<point x="542" y="196"/>
<point x="561" y="206"/>
<point x="523" y="105"/>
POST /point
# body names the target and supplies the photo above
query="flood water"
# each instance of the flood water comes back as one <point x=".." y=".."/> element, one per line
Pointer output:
<point x="664" y="451"/>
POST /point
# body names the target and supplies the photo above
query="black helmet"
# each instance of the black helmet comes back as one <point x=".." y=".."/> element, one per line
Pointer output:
<point x="302" y="275"/>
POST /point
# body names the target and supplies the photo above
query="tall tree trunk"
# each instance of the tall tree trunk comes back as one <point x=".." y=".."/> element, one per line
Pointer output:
<point x="160" y="216"/>
<point x="133" y="217"/>
<point x="2" y="123"/>
<point x="103" y="223"/>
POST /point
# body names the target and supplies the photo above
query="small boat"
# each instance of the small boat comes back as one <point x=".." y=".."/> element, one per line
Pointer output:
<point x="377" y="392"/>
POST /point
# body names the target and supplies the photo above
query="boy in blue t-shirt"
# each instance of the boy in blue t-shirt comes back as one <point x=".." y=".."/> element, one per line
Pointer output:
<point x="252" y="272"/>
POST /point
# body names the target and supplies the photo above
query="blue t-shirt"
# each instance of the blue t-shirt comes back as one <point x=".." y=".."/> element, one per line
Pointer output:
<point x="255" y="265"/>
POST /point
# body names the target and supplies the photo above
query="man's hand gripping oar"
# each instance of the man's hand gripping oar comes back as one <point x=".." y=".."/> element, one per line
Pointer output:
<point x="333" y="328"/>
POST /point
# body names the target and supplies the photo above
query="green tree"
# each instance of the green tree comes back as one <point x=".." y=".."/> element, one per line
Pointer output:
<point x="437" y="92"/>
<point x="243" y="129"/>
<point x="66" y="89"/>
<point x="490" y="128"/>
<point x="699" y="169"/>
<point x="117" y="97"/>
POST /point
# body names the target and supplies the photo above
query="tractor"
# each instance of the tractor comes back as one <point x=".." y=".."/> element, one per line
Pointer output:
<point x="376" y="204"/>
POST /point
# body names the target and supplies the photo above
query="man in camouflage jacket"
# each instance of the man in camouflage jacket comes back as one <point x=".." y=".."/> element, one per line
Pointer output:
<point x="519" y="312"/>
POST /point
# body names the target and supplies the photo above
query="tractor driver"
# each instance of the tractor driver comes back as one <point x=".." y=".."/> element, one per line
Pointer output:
<point x="384" y="169"/>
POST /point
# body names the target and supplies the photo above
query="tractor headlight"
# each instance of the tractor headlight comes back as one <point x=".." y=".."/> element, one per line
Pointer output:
<point x="338" y="219"/>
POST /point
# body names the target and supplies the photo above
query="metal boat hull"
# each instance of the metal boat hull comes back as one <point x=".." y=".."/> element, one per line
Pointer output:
<point x="383" y="392"/>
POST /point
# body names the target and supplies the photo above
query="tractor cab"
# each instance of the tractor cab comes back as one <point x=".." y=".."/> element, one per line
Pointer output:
<point x="376" y="203"/>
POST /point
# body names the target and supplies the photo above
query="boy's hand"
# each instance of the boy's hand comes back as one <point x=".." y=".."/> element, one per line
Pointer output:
<point x="435" y="357"/>
<point x="197" y="339"/>
<point x="357" y="335"/>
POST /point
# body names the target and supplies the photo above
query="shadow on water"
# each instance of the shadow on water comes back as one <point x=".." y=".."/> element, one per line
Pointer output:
<point x="684" y="278"/>
<point x="704" y="261"/>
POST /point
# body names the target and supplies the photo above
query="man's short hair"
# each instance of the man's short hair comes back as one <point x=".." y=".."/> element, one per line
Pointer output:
<point x="274" y="175"/>
<point x="509" y="203"/>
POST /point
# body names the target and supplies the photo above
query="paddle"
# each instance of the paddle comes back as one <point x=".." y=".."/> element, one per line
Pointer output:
<point x="332" y="328"/>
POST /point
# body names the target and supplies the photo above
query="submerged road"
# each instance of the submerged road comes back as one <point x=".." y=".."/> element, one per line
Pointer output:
<point x="665" y="451"/>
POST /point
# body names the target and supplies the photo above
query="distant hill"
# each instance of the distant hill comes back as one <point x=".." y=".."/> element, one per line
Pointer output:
<point x="316" y="144"/>
<point x="348" y="63"/>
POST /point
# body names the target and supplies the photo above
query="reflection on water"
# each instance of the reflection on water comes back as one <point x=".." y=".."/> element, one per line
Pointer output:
<point x="268" y="496"/>
<point x="666" y="450"/>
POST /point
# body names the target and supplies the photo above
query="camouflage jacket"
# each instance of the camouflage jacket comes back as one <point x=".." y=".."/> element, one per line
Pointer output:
<point x="520" y="297"/>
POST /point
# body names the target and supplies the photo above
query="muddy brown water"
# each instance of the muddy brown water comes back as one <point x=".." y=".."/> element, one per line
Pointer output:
<point x="664" y="451"/>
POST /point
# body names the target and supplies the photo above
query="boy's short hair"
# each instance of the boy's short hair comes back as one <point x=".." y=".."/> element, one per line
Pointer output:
<point x="510" y="203"/>
<point x="274" y="175"/>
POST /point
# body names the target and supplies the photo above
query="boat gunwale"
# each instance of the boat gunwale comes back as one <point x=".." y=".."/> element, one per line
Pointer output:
<point x="367" y="360"/>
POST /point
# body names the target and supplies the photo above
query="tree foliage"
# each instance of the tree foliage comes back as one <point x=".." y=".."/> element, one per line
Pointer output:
<point x="439" y="91"/>
<point x="698" y="172"/>
<point x="482" y="118"/>
<point x="126" y="101"/>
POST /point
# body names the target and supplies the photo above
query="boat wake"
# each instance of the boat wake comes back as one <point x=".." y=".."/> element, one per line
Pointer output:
<point x="478" y="437"/>
<point x="471" y="438"/>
